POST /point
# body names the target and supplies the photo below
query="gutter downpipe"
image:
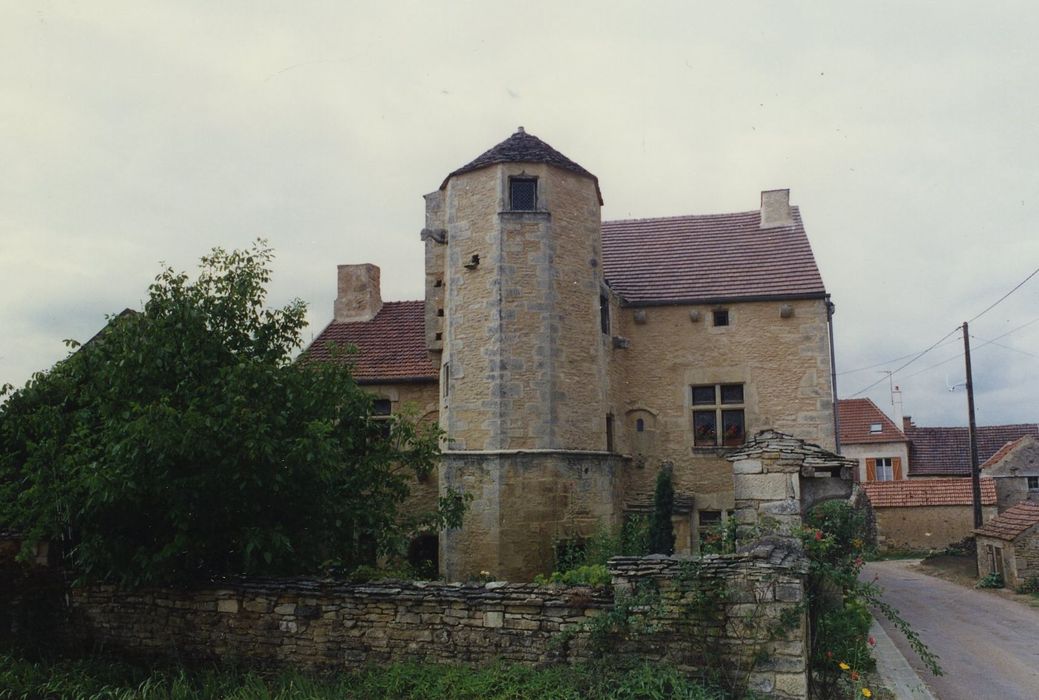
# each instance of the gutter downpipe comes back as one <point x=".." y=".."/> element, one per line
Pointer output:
<point x="830" y="308"/>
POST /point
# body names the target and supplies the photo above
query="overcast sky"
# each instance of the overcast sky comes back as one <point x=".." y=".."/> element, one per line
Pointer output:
<point x="138" y="132"/>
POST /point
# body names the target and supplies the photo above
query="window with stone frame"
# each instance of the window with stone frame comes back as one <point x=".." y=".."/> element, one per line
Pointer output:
<point x="1033" y="483"/>
<point x="709" y="526"/>
<point x="718" y="415"/>
<point x="523" y="194"/>
<point x="382" y="409"/>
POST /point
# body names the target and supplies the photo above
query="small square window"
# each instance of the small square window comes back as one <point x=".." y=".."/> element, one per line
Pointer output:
<point x="721" y="317"/>
<point x="732" y="393"/>
<point x="381" y="407"/>
<point x="703" y="395"/>
<point x="875" y="427"/>
<point x="523" y="194"/>
<point x="1033" y="483"/>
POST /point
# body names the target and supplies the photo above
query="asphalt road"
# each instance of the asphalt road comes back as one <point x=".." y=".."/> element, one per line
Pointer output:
<point x="988" y="646"/>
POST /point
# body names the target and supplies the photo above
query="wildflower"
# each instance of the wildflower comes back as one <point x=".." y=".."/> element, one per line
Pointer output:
<point x="858" y="561"/>
<point x="829" y="655"/>
<point x="867" y="692"/>
<point x="485" y="574"/>
<point x="854" y="675"/>
<point x="856" y="543"/>
<point x="818" y="535"/>
<point x="872" y="642"/>
<point x="844" y="666"/>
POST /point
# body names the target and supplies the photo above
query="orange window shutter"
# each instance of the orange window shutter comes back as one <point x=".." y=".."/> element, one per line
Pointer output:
<point x="871" y="469"/>
<point x="896" y="468"/>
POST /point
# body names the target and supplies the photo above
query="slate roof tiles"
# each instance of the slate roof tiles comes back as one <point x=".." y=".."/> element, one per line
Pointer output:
<point x="953" y="491"/>
<point x="1011" y="522"/>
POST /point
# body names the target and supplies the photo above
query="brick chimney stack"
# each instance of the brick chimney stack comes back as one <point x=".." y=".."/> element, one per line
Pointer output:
<point x="775" y="209"/>
<point x="359" y="297"/>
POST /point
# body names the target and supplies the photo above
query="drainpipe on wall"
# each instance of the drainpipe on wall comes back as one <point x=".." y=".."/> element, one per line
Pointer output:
<point x="833" y="380"/>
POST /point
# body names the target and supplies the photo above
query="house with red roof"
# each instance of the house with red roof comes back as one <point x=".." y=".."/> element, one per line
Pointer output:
<point x="1008" y="545"/>
<point x="926" y="514"/>
<point x="943" y="452"/>
<point x="868" y="435"/>
<point x="568" y="360"/>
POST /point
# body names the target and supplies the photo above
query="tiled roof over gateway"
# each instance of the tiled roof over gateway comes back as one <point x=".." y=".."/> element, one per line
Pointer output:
<point x="955" y="491"/>
<point x="1011" y="522"/>
<point x="946" y="451"/>
<point x="707" y="259"/>
<point x="391" y="347"/>
<point x="857" y="416"/>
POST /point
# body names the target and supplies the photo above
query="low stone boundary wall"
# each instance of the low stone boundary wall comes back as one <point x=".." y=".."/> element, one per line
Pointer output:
<point x="740" y="614"/>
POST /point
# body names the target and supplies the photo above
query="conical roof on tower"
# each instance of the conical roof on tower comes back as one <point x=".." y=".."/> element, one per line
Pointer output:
<point x="522" y="147"/>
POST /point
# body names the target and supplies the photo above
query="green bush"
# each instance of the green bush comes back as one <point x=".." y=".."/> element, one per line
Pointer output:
<point x="992" y="580"/>
<point x="1029" y="585"/>
<point x="105" y="679"/>
<point x="594" y="575"/>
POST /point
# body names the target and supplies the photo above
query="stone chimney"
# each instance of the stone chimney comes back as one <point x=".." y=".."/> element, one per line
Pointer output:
<point x="775" y="209"/>
<point x="359" y="297"/>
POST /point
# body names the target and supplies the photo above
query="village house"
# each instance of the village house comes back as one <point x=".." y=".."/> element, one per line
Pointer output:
<point x="1008" y="545"/>
<point x="568" y="359"/>
<point x="1015" y="469"/>
<point x="868" y="435"/>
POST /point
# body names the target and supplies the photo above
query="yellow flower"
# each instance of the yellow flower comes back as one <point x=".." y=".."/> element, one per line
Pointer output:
<point x="844" y="666"/>
<point x="867" y="692"/>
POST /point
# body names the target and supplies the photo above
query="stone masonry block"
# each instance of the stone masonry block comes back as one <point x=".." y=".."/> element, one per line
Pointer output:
<point x="747" y="466"/>
<point x="493" y="619"/>
<point x="227" y="606"/>
<point x="763" y="487"/>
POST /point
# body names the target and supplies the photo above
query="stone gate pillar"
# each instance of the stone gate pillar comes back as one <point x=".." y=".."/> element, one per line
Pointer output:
<point x="777" y="478"/>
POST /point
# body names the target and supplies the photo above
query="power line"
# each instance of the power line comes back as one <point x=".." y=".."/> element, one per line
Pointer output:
<point x="1005" y="347"/>
<point x="893" y="359"/>
<point x="915" y="358"/>
<point x="986" y="342"/>
<point x="1000" y="300"/>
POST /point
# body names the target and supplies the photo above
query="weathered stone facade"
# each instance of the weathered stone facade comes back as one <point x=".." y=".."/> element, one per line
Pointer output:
<point x="925" y="528"/>
<point x="561" y="397"/>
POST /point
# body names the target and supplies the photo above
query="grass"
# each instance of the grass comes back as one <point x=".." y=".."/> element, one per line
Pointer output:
<point x="97" y="678"/>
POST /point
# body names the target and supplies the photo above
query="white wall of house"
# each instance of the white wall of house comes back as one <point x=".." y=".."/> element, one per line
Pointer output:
<point x="877" y="450"/>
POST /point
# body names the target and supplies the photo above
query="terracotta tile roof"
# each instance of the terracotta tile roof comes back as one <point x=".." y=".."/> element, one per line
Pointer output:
<point x="946" y="451"/>
<point x="1011" y="522"/>
<point x="1002" y="452"/>
<point x="857" y="415"/>
<point x="707" y="259"/>
<point x="522" y="147"/>
<point x="391" y="347"/>
<point x="955" y="491"/>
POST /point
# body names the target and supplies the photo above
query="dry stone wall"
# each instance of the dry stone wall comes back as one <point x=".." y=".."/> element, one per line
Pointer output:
<point x="327" y="624"/>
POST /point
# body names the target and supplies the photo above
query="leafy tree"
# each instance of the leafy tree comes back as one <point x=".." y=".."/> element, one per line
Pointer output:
<point x="182" y="441"/>
<point x="661" y="531"/>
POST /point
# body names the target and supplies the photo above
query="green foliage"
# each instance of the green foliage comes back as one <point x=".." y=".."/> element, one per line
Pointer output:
<point x="105" y="679"/>
<point x="631" y="540"/>
<point x="993" y="579"/>
<point x="593" y="575"/>
<point x="183" y="442"/>
<point x="1029" y="586"/>
<point x="661" y="530"/>
<point x="834" y="539"/>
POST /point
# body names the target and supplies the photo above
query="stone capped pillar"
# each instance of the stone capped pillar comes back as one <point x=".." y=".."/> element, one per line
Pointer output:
<point x="778" y="478"/>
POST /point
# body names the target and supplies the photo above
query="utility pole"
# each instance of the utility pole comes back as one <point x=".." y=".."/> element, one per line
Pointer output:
<point x="972" y="432"/>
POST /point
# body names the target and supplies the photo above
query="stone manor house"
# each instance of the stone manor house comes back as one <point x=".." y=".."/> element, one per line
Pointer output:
<point x="568" y="359"/>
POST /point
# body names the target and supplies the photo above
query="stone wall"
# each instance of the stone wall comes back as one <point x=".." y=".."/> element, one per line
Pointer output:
<point x="331" y="625"/>
<point x="926" y="527"/>
<point x="523" y="503"/>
